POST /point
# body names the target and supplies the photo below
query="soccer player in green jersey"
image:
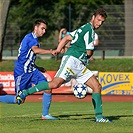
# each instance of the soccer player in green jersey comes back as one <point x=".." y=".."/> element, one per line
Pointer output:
<point x="74" y="62"/>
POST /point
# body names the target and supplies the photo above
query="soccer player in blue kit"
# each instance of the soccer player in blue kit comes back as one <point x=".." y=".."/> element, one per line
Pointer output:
<point x="26" y="72"/>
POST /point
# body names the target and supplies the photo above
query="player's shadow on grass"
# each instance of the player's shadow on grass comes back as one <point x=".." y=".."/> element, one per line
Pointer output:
<point x="119" y="116"/>
<point x="89" y="117"/>
<point x="77" y="116"/>
<point x="72" y="117"/>
<point x="84" y="117"/>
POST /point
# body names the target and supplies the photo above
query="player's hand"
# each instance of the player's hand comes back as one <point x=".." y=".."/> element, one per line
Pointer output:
<point x="54" y="52"/>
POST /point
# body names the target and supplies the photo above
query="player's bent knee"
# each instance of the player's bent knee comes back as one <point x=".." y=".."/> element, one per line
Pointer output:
<point x="97" y="88"/>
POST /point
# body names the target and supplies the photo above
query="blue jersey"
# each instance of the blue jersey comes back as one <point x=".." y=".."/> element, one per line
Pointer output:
<point x="26" y="57"/>
<point x="25" y="72"/>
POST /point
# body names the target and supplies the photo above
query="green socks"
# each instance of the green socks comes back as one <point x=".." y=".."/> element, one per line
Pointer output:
<point x="97" y="103"/>
<point x="37" y="88"/>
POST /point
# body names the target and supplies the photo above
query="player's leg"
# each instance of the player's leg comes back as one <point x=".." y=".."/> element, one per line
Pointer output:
<point x="46" y="102"/>
<point x="54" y="84"/>
<point x="96" y="95"/>
<point x="38" y="77"/>
<point x="8" y="99"/>
<point x="84" y="75"/>
<point x="96" y="99"/>
<point x="47" y="97"/>
<point x="37" y="88"/>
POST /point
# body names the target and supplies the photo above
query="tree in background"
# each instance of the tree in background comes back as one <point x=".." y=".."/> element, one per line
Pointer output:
<point x="4" y="5"/>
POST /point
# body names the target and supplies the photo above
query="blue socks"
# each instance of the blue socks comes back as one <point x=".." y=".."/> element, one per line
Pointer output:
<point x="8" y="99"/>
<point x="46" y="101"/>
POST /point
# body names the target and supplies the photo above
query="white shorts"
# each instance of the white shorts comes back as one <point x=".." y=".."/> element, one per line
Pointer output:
<point x="72" y="67"/>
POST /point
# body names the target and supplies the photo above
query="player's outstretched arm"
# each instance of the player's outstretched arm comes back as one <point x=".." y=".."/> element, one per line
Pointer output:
<point x="38" y="50"/>
<point x="63" y="42"/>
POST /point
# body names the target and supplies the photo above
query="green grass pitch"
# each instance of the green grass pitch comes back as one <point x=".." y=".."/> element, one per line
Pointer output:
<point x="74" y="117"/>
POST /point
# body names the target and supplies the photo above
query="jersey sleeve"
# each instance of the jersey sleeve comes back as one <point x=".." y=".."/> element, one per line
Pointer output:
<point x="90" y="46"/>
<point x="89" y="41"/>
<point x="33" y="42"/>
<point x="96" y="36"/>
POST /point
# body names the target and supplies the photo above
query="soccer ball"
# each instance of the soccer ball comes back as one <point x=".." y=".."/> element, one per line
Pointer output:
<point x="80" y="90"/>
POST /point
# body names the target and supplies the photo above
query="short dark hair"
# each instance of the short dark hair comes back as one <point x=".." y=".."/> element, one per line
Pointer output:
<point x="100" y="11"/>
<point x="38" y="22"/>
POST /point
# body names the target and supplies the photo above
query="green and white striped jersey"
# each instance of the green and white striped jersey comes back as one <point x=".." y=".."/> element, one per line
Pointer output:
<point x="83" y="40"/>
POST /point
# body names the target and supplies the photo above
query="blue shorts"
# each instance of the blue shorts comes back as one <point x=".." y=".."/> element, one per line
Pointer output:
<point x="26" y="80"/>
